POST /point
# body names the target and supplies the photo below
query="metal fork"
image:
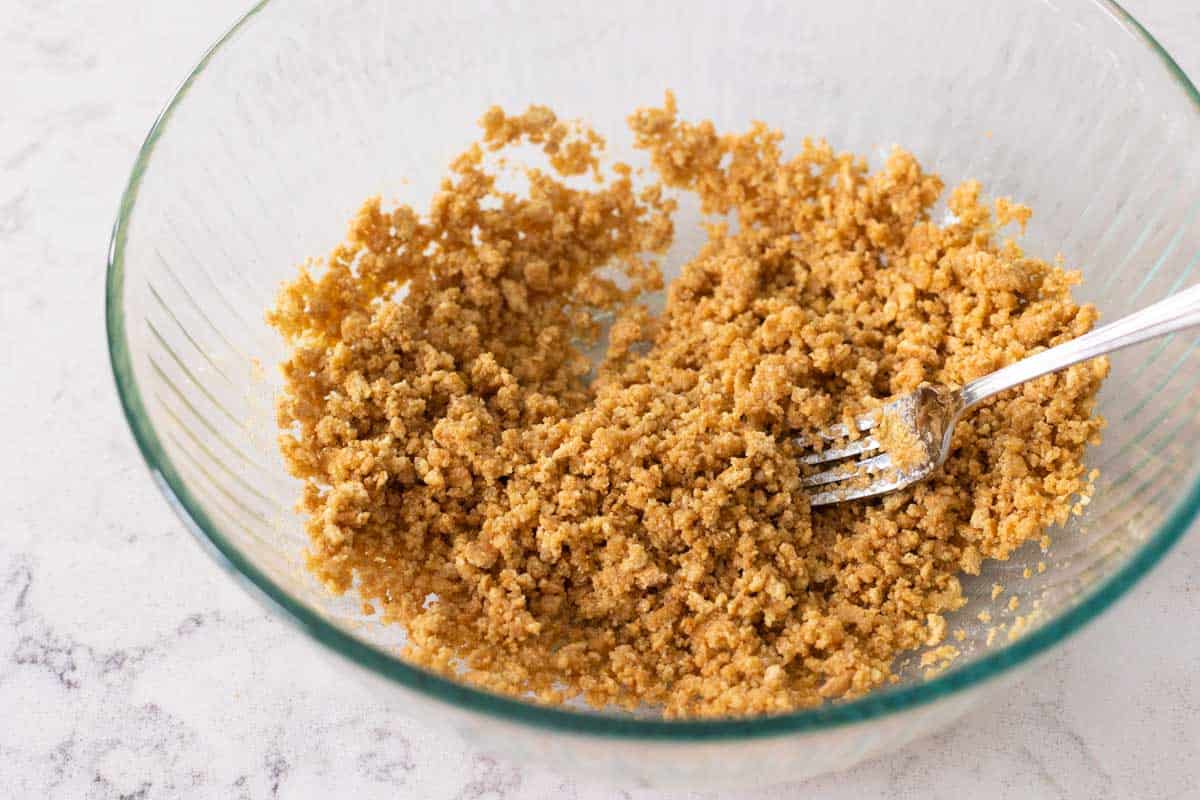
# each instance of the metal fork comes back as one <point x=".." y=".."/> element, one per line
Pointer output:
<point x="930" y="413"/>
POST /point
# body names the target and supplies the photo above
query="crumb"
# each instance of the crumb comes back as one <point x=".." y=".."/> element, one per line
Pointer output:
<point x="984" y="616"/>
<point x="635" y="531"/>
<point x="938" y="660"/>
<point x="1021" y="625"/>
<point x="1008" y="211"/>
<point x="898" y="439"/>
<point x="991" y="636"/>
<point x="997" y="590"/>
<point x="1014" y="603"/>
<point x="1041" y="567"/>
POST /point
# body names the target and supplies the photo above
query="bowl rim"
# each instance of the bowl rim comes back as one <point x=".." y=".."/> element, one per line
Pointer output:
<point x="374" y="659"/>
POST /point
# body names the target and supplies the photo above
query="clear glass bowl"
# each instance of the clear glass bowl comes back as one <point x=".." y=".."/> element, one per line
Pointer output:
<point x="306" y="108"/>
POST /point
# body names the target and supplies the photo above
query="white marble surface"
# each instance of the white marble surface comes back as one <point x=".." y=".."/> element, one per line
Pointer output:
<point x="132" y="666"/>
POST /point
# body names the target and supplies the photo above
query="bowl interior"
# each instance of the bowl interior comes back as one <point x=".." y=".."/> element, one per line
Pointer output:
<point x="307" y="109"/>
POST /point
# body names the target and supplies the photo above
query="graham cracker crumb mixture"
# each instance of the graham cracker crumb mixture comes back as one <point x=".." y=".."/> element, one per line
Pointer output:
<point x="898" y="439"/>
<point x="639" y="535"/>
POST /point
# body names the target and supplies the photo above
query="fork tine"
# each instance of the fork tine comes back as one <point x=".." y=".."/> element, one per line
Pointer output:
<point x="867" y="465"/>
<point x="833" y="433"/>
<point x="839" y="433"/>
<point x="831" y="496"/>
<point x="835" y="453"/>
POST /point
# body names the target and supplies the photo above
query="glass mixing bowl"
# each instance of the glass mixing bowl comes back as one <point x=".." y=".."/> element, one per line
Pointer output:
<point x="306" y="108"/>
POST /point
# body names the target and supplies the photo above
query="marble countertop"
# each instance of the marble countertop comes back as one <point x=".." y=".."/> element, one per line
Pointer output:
<point x="131" y="666"/>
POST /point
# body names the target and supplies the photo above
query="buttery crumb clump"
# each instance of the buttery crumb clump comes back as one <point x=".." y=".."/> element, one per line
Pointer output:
<point x="635" y="532"/>
<point x="898" y="439"/>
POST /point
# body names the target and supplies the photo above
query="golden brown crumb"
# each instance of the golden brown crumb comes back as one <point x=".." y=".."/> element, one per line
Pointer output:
<point x="997" y="590"/>
<point x="638" y="534"/>
<point x="900" y="441"/>
<point x="1008" y="211"/>
<point x="1021" y="625"/>
<point x="937" y="660"/>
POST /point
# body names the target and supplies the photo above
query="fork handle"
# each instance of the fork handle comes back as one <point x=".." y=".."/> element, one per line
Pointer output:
<point x="1174" y="313"/>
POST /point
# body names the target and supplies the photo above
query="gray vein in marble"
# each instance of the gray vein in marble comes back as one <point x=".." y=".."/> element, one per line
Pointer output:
<point x="490" y="780"/>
